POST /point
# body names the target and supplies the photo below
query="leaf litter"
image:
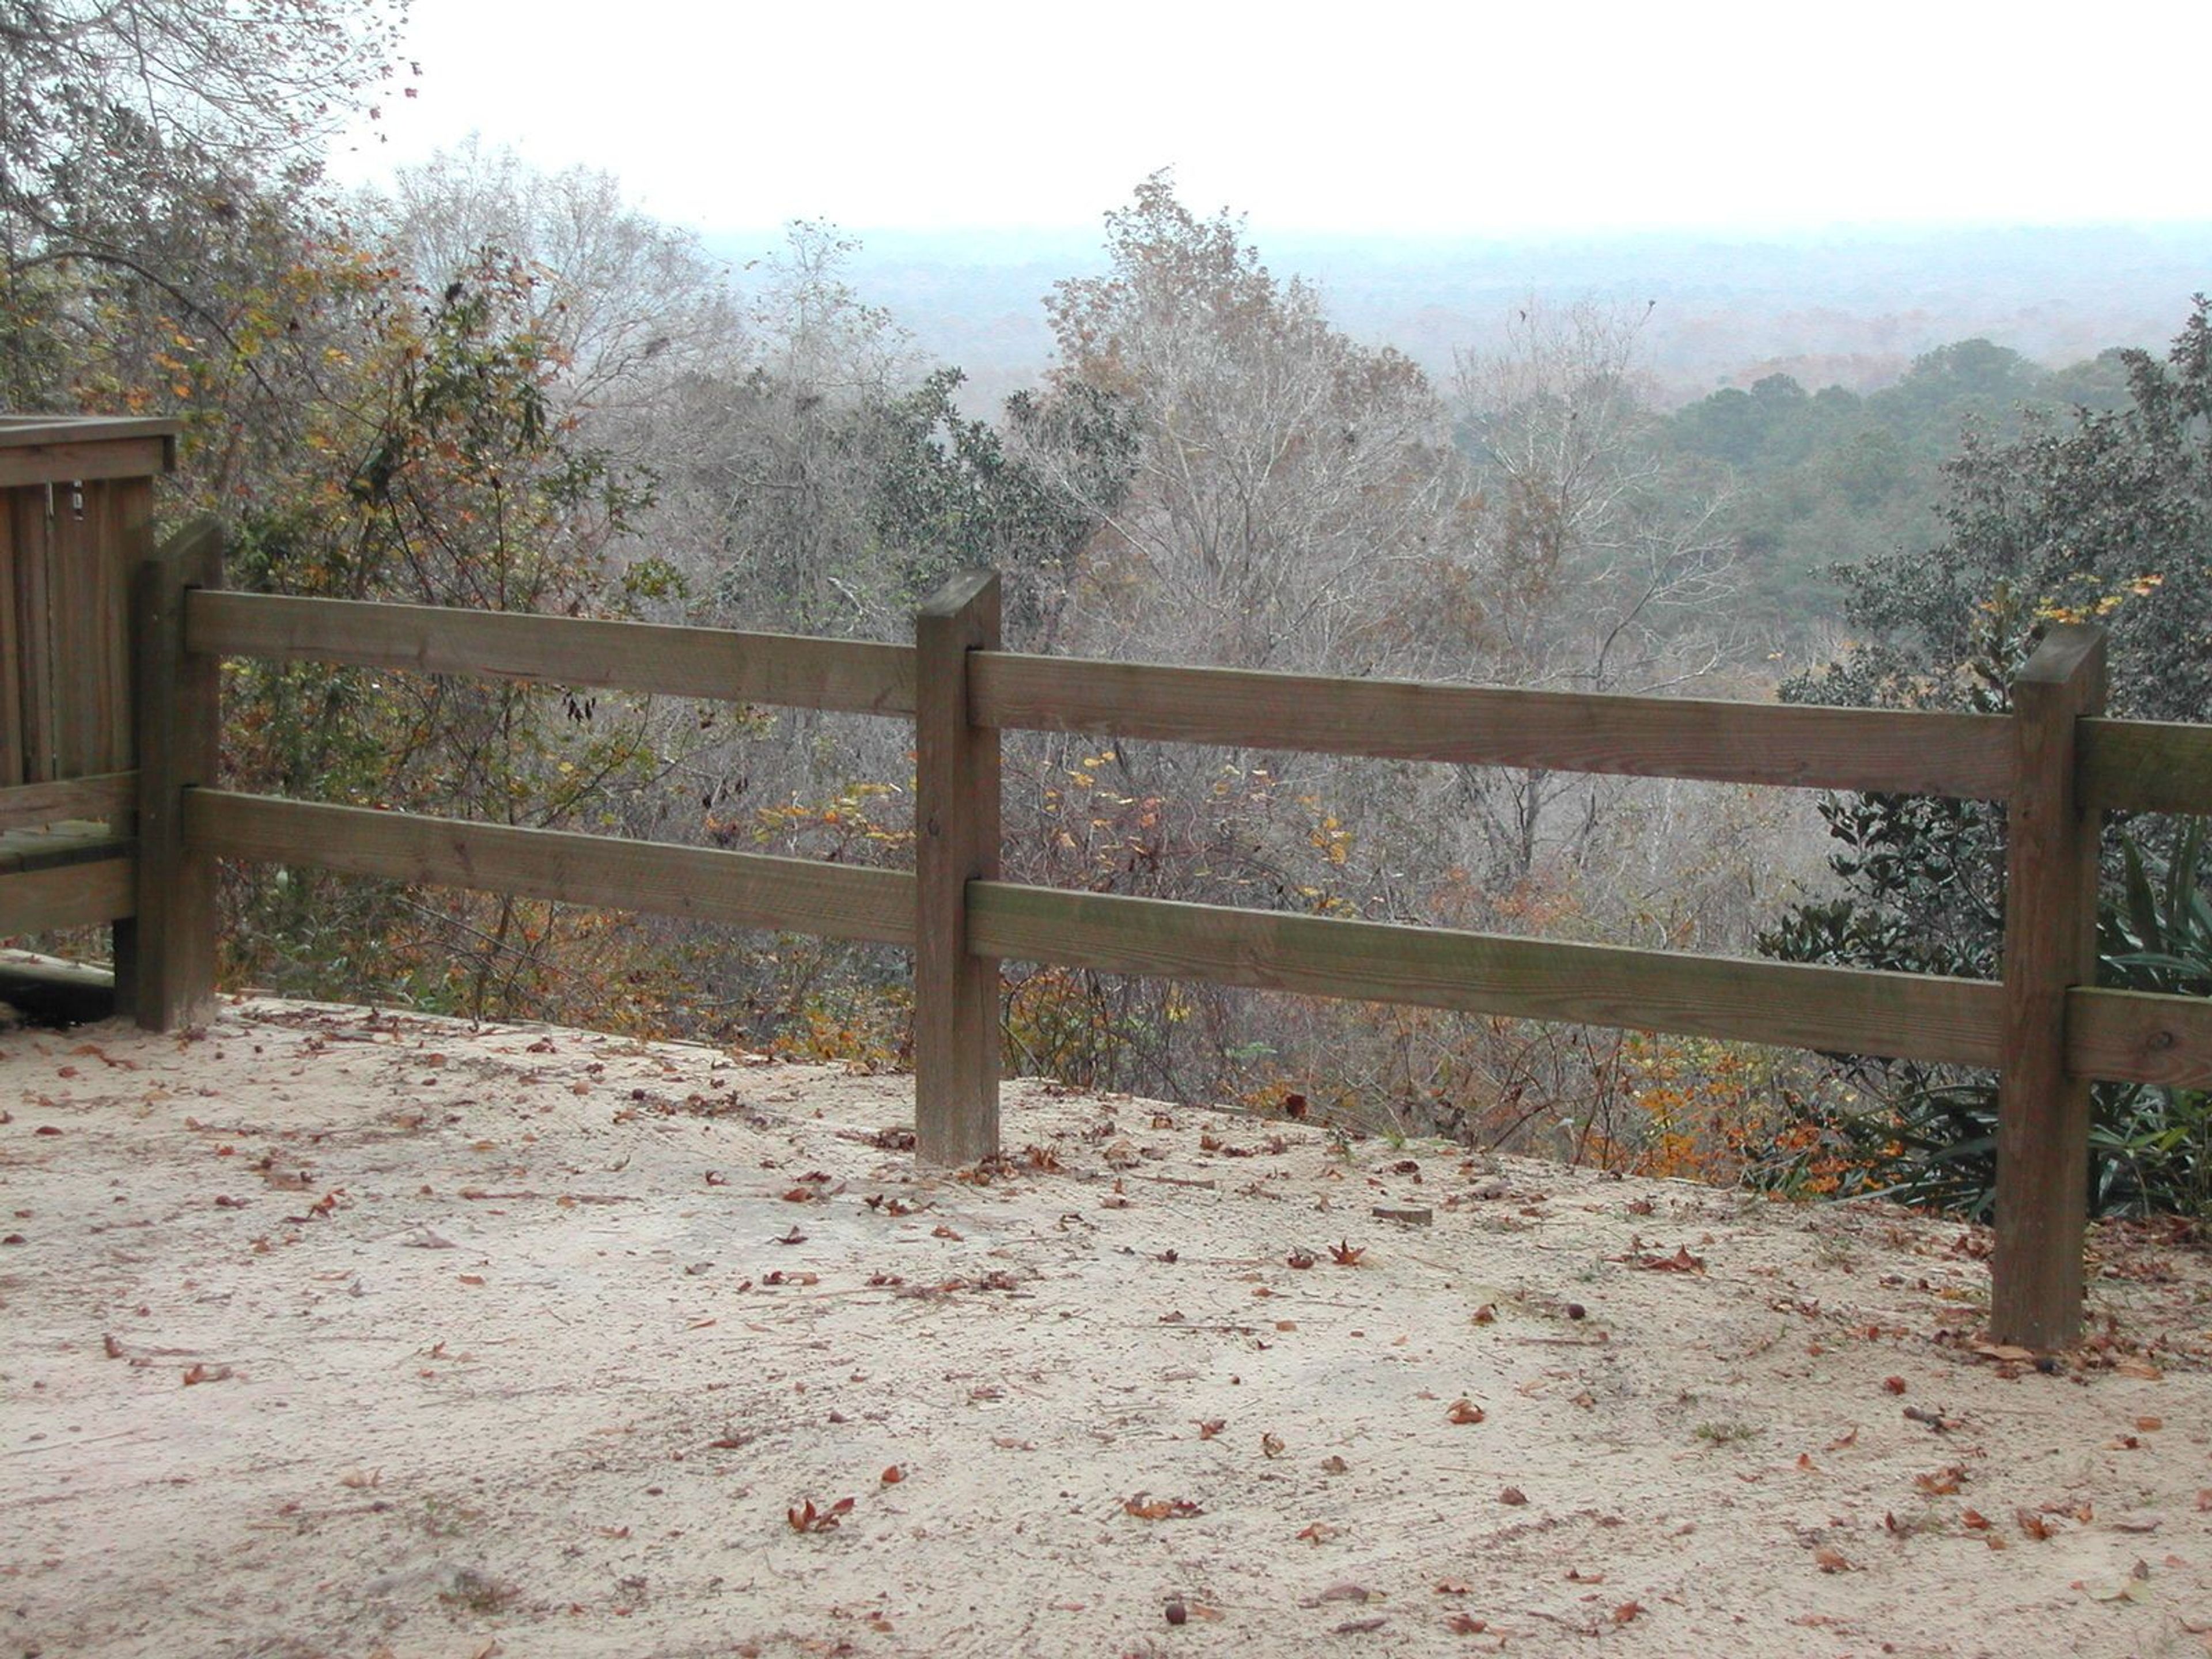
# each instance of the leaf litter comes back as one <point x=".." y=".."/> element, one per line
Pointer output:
<point x="613" y="1418"/>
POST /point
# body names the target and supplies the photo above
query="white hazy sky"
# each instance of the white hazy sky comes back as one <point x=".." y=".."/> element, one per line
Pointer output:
<point x="1471" y="117"/>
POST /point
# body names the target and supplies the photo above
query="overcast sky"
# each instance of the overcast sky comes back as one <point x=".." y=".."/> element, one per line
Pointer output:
<point x="1456" y="116"/>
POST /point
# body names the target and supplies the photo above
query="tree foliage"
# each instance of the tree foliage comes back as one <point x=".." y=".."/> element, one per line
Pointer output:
<point x="2105" y="517"/>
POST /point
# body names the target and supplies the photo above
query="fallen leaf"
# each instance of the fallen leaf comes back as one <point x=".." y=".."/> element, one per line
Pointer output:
<point x="1299" y="1260"/>
<point x="1317" y="1533"/>
<point x="1941" y="1483"/>
<point x="1681" y="1263"/>
<point x="1347" y="1254"/>
<point x="1513" y="1495"/>
<point x="1159" y="1509"/>
<point x="1270" y="1445"/>
<point x="1208" y="1427"/>
<point x="207" y="1374"/>
<point x="1466" y="1624"/>
<point x="1831" y="1560"/>
<point x="893" y="1475"/>
<point x="1464" y="1411"/>
<point x="1626" y="1611"/>
<point x="809" y="1519"/>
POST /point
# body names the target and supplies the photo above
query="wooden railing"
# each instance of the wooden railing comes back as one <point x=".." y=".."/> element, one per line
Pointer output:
<point x="2054" y="761"/>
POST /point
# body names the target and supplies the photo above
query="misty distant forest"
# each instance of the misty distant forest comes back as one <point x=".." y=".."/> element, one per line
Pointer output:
<point x="1732" y="472"/>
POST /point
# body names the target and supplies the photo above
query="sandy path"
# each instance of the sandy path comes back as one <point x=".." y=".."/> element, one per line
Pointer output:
<point x="334" y="1334"/>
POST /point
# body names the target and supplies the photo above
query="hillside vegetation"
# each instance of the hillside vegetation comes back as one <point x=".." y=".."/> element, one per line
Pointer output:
<point x="489" y="387"/>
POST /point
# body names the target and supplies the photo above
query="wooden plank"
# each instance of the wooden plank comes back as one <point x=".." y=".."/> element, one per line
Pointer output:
<point x="744" y="889"/>
<point x="956" y="989"/>
<point x="109" y="797"/>
<point x="34" y="634"/>
<point x="850" y="676"/>
<point x="12" y="547"/>
<point x="2146" y="766"/>
<point x="84" y="459"/>
<point x="64" y="843"/>
<point x="93" y="554"/>
<point x="1839" y="1009"/>
<point x="165" y="960"/>
<point x="2138" y="1036"/>
<point x="1929" y="753"/>
<point x="67" y="895"/>
<point x="2050" y="946"/>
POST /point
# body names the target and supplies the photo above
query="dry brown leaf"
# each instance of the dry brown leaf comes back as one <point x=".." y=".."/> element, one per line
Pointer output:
<point x="1159" y="1509"/>
<point x="808" y="1518"/>
<point x="1464" y="1411"/>
<point x="893" y="1475"/>
<point x="1514" y="1496"/>
<point x="1831" y="1560"/>
<point x="1345" y="1254"/>
<point x="1466" y="1624"/>
<point x="1270" y="1445"/>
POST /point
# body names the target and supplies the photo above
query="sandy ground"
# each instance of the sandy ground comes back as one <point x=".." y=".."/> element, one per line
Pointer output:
<point x="334" y="1332"/>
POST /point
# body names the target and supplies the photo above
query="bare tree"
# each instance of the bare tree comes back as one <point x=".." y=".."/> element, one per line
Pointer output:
<point x="1602" y="571"/>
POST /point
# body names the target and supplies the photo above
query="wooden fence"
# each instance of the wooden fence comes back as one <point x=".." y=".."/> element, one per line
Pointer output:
<point x="2055" y="762"/>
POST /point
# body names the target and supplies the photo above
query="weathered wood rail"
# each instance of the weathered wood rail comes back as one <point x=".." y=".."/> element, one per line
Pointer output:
<point x="2056" y="761"/>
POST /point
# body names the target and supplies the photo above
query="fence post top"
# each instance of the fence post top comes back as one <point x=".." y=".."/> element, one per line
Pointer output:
<point x="2068" y="651"/>
<point x="961" y="591"/>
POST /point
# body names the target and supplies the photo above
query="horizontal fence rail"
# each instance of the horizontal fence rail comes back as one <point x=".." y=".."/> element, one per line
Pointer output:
<point x="2146" y="766"/>
<point x="108" y="797"/>
<point x="1892" y="750"/>
<point x="1847" y="1010"/>
<point x="739" y="890"/>
<point x="2139" y="1036"/>
<point x="70" y="895"/>
<point x="845" y="676"/>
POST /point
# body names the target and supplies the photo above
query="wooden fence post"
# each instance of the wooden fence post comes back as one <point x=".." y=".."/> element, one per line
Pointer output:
<point x="2050" y="944"/>
<point x="169" y="966"/>
<point x="956" y="814"/>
